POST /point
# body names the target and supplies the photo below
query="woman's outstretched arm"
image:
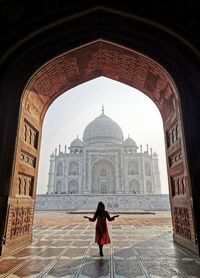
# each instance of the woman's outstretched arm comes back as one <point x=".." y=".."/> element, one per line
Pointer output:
<point x="92" y="219"/>
<point x="110" y="218"/>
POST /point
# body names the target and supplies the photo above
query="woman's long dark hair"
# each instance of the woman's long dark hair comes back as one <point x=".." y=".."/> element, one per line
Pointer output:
<point x="100" y="211"/>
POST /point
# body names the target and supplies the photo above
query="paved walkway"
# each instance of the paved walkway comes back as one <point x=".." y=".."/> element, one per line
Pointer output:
<point x="63" y="246"/>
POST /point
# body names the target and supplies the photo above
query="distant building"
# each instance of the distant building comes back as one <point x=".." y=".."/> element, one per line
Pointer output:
<point x="104" y="163"/>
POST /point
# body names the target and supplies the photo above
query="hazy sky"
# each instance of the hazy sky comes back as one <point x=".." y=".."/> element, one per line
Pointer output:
<point x="70" y="113"/>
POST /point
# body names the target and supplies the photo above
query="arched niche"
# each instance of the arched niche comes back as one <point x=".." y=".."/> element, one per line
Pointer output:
<point x="103" y="177"/>
<point x="73" y="187"/>
<point x="73" y="168"/>
<point x="134" y="186"/>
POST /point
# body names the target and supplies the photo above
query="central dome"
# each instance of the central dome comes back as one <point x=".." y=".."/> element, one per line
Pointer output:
<point x="103" y="130"/>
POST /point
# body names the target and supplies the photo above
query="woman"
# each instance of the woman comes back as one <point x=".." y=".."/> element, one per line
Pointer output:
<point x="102" y="236"/>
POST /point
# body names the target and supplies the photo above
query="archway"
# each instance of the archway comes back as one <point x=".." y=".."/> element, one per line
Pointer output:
<point x="58" y="187"/>
<point x="73" y="168"/>
<point x="103" y="177"/>
<point x="99" y="58"/>
<point x="134" y="186"/>
<point x="133" y="168"/>
<point x="73" y="187"/>
<point x="149" y="187"/>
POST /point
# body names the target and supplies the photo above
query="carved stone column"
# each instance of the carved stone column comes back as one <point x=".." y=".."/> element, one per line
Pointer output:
<point x="21" y="201"/>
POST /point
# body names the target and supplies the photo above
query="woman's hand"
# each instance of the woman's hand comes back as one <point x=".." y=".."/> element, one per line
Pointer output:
<point x="116" y="215"/>
<point x="86" y="217"/>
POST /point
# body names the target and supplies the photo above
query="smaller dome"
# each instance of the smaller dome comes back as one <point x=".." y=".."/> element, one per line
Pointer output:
<point x="129" y="143"/>
<point x="155" y="154"/>
<point x="52" y="155"/>
<point x="76" y="143"/>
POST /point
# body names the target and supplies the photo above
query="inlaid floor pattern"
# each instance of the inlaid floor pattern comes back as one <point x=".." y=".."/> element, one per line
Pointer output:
<point x="63" y="246"/>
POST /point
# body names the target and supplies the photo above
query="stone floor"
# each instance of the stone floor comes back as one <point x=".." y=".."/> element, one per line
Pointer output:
<point x="63" y="246"/>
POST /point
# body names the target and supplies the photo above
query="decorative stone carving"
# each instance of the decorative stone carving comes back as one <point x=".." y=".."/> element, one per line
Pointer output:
<point x="25" y="185"/>
<point x="33" y="105"/>
<point x="178" y="185"/>
<point x="182" y="222"/>
<point x="151" y="80"/>
<point x="30" y="134"/>
<point x="172" y="135"/>
<point x="21" y="221"/>
<point x="27" y="158"/>
<point x="168" y="101"/>
<point x="176" y="158"/>
<point x="98" y="157"/>
<point x="103" y="58"/>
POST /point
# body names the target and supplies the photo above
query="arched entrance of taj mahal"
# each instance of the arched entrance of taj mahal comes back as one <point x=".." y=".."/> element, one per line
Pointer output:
<point x="56" y="74"/>
<point x="63" y="72"/>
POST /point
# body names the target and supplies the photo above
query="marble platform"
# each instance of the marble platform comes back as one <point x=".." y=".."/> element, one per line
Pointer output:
<point x="114" y="202"/>
<point x="63" y="246"/>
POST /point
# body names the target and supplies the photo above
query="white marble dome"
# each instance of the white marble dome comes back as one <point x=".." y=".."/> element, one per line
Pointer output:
<point x="129" y="142"/>
<point x="103" y="130"/>
<point x="76" y="143"/>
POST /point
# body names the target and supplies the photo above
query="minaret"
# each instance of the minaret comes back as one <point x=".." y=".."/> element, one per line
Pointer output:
<point x="102" y="109"/>
<point x="147" y="149"/>
<point x="141" y="170"/>
<point x="156" y="173"/>
<point x="51" y="174"/>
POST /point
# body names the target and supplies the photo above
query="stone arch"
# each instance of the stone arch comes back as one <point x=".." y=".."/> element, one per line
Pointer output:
<point x="149" y="188"/>
<point x="58" y="187"/>
<point x="103" y="58"/>
<point x="134" y="186"/>
<point x="74" y="168"/>
<point x="103" y="183"/>
<point x="147" y="168"/>
<point x="133" y="168"/>
<point x="103" y="173"/>
<point x="73" y="187"/>
<point x="59" y="169"/>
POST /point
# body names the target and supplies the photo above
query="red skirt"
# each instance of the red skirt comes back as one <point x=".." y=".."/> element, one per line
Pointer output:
<point x="102" y="236"/>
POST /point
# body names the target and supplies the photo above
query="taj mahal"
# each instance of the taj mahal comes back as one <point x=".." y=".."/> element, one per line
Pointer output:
<point x="103" y="162"/>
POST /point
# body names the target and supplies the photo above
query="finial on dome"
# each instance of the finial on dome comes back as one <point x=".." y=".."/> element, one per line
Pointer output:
<point x="102" y="109"/>
<point x="77" y="136"/>
<point x="128" y="135"/>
